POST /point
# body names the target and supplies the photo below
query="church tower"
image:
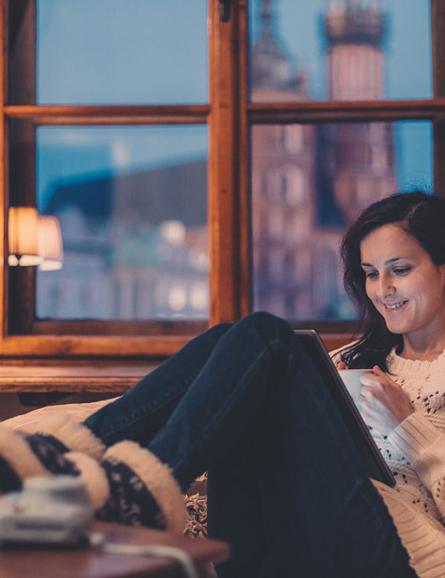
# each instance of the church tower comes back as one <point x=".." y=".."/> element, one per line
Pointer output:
<point x="355" y="32"/>
<point x="272" y="75"/>
<point x="361" y="162"/>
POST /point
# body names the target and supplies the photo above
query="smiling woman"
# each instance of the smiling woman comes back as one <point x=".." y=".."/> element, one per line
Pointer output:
<point x="406" y="288"/>
<point x="395" y="271"/>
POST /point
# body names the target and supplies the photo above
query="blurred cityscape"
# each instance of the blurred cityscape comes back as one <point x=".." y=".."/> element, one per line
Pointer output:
<point x="311" y="181"/>
<point x="135" y="247"/>
<point x="136" y="244"/>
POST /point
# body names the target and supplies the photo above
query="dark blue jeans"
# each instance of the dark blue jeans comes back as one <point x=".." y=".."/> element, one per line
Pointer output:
<point x="287" y="487"/>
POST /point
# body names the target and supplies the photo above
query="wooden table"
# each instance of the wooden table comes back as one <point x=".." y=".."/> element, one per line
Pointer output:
<point x="92" y="563"/>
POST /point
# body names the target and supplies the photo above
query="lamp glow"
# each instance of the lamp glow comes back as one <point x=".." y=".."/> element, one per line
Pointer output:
<point x="22" y="237"/>
<point x="50" y="243"/>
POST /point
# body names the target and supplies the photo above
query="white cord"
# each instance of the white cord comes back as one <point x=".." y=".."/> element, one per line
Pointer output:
<point x="98" y="540"/>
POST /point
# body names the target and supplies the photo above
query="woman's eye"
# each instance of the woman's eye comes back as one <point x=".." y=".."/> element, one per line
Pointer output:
<point x="402" y="270"/>
<point x="371" y="274"/>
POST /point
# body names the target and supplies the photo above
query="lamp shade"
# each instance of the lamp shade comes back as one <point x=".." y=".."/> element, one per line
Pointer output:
<point x="22" y="237"/>
<point x="50" y="243"/>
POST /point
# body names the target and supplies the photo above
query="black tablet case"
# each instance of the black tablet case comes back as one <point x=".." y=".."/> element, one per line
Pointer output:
<point x="372" y="458"/>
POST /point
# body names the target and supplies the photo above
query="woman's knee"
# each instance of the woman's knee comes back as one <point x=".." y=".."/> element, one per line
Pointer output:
<point x="267" y="325"/>
<point x="266" y="319"/>
<point x="220" y="328"/>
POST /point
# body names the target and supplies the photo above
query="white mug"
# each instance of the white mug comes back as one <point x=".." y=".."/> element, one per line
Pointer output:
<point x="351" y="379"/>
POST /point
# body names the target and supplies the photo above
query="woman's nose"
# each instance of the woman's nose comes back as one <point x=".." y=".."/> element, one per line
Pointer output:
<point x="386" y="288"/>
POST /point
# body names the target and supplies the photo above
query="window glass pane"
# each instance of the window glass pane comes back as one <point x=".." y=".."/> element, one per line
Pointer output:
<point x="309" y="183"/>
<point x="116" y="51"/>
<point x="132" y="206"/>
<point x="340" y="49"/>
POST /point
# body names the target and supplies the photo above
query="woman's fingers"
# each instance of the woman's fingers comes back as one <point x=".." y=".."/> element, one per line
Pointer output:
<point x="378" y="371"/>
<point x="370" y="378"/>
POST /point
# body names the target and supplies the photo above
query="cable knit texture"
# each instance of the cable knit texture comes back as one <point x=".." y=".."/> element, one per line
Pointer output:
<point x="415" y="452"/>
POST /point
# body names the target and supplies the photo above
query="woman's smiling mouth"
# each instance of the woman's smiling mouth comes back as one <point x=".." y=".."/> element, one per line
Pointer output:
<point x="394" y="306"/>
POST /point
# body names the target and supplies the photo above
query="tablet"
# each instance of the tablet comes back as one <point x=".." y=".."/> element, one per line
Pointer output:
<point x="375" y="464"/>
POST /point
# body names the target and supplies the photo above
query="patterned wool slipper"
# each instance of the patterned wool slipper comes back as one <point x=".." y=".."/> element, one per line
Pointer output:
<point x="23" y="456"/>
<point x="130" y="486"/>
<point x="67" y="434"/>
<point x="142" y="490"/>
<point x="39" y="450"/>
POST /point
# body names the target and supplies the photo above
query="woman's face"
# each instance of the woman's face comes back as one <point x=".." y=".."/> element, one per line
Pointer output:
<point x="404" y="284"/>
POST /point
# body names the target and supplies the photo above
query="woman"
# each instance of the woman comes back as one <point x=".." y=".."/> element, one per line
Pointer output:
<point x="287" y="487"/>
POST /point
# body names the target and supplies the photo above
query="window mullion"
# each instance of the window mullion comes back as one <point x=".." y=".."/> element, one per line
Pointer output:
<point x="244" y="164"/>
<point x="3" y="172"/>
<point x="224" y="154"/>
<point x="438" y="47"/>
<point x="20" y="29"/>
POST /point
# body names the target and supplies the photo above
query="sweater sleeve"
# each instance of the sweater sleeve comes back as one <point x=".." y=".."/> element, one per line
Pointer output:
<point x="424" y="445"/>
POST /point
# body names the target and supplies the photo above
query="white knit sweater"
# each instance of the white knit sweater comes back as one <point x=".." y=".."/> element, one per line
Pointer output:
<point x="415" y="451"/>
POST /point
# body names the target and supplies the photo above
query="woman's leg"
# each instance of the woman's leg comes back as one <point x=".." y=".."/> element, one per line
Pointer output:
<point x="234" y="514"/>
<point x="144" y="409"/>
<point x="258" y="405"/>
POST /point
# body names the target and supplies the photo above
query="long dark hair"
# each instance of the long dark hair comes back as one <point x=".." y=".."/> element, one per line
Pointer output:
<point x="423" y="217"/>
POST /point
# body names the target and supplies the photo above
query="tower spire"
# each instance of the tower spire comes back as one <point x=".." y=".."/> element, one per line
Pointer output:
<point x="266" y="16"/>
<point x="271" y="66"/>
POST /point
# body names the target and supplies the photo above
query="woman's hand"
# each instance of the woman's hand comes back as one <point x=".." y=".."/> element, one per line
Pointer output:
<point x="382" y="402"/>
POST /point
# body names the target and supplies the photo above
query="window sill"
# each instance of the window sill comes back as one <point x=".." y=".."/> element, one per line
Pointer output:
<point x="100" y="377"/>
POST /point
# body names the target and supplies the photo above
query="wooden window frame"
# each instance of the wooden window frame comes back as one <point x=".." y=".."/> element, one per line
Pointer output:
<point x="228" y="116"/>
<point x="20" y="334"/>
